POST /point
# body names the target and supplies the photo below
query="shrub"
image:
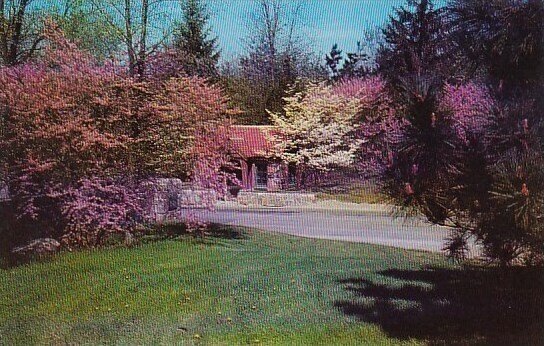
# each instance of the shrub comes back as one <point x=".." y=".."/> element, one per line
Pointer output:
<point x="80" y="137"/>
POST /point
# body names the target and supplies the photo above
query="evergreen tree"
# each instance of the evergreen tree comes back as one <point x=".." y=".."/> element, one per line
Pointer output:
<point x="416" y="43"/>
<point x="193" y="43"/>
<point x="355" y="64"/>
<point x="503" y="39"/>
<point x="332" y="61"/>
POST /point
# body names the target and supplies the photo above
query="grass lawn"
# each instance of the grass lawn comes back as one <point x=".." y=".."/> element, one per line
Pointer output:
<point x="253" y="287"/>
<point x="355" y="195"/>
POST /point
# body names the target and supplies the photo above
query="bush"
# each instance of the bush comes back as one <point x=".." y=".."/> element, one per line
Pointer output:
<point x="80" y="137"/>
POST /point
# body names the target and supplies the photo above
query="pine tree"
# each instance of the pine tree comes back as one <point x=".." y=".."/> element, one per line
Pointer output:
<point x="354" y="66"/>
<point x="502" y="39"/>
<point x="333" y="60"/>
<point x="416" y="43"/>
<point x="193" y="41"/>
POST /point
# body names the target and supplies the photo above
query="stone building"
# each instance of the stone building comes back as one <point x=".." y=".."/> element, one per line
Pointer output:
<point x="259" y="170"/>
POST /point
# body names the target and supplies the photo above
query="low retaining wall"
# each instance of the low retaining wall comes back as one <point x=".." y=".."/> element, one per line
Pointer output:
<point x="165" y="198"/>
<point x="275" y="199"/>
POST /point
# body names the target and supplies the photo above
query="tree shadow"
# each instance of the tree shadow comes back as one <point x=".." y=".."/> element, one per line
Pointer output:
<point x="179" y="229"/>
<point x="453" y="306"/>
<point x="224" y="232"/>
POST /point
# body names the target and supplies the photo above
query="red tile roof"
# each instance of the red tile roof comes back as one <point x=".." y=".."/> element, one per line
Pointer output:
<point x="252" y="141"/>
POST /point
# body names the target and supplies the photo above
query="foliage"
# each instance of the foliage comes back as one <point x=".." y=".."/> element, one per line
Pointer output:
<point x="317" y="129"/>
<point x="96" y="208"/>
<point x="91" y="30"/>
<point x="378" y="124"/>
<point x="451" y="165"/>
<point x="512" y="227"/>
<point x="441" y="129"/>
<point x="466" y="159"/>
<point x="354" y="66"/>
<point x="502" y="38"/>
<point x="138" y="25"/>
<point x="454" y="152"/>
<point x="344" y="126"/>
<point x="357" y="63"/>
<point x="192" y="41"/>
<point x="277" y="55"/>
<point x="416" y="43"/>
<point x="265" y="80"/>
<point x="79" y="133"/>
<point x="20" y="26"/>
<point x="165" y="64"/>
<point x="332" y="61"/>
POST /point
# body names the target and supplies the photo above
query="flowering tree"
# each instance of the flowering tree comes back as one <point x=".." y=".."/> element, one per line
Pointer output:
<point x="348" y="125"/>
<point x="317" y="129"/>
<point x="80" y="136"/>
<point x="378" y="125"/>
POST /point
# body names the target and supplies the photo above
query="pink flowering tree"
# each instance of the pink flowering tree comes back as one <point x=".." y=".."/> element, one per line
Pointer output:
<point x="80" y="137"/>
<point x="379" y="127"/>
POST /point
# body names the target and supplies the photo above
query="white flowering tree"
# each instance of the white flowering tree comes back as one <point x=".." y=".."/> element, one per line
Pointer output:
<point x="317" y="129"/>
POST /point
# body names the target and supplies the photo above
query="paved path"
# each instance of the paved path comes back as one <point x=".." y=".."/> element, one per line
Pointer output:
<point x="357" y="225"/>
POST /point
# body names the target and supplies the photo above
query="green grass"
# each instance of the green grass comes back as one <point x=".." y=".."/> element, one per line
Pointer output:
<point x="254" y="287"/>
<point x="355" y="195"/>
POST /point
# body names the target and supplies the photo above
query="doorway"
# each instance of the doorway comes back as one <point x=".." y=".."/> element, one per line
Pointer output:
<point x="261" y="175"/>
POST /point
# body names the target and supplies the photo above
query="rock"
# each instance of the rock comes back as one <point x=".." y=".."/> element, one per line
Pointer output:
<point x="129" y="239"/>
<point x="4" y="192"/>
<point x="42" y="247"/>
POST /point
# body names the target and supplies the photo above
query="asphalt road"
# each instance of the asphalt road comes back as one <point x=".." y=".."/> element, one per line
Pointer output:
<point x="371" y="228"/>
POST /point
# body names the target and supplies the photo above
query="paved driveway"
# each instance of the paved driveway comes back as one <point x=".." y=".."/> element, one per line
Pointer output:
<point x="373" y="228"/>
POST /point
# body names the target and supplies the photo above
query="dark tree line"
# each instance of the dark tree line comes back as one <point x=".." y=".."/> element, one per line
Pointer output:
<point x="355" y="65"/>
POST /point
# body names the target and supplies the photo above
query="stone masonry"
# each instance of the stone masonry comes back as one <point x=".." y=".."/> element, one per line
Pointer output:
<point x="166" y="197"/>
<point x="276" y="199"/>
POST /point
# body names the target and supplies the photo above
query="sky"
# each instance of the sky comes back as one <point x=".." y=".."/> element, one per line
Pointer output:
<point x="327" y="22"/>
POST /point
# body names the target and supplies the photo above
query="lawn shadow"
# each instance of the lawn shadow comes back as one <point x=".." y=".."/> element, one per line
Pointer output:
<point x="179" y="230"/>
<point x="471" y="305"/>
<point x="224" y="232"/>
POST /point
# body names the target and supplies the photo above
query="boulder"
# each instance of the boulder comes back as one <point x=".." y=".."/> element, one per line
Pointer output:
<point x="42" y="247"/>
<point x="129" y="240"/>
<point x="4" y="192"/>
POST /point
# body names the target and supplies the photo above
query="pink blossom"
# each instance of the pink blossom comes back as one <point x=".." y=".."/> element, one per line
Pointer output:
<point x="470" y="107"/>
<point x="79" y="131"/>
<point x="380" y="126"/>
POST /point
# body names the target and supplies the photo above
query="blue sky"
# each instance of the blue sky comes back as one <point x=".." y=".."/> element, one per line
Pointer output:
<point x="328" y="22"/>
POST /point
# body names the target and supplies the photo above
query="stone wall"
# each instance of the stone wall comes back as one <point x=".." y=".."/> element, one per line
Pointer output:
<point x="166" y="197"/>
<point x="276" y="199"/>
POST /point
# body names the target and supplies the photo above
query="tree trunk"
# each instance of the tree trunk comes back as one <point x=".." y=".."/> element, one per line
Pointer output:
<point x="129" y="38"/>
<point x="143" y="39"/>
<point x="11" y="30"/>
